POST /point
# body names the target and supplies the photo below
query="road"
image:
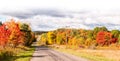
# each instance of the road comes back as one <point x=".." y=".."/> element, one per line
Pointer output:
<point x="43" y="53"/>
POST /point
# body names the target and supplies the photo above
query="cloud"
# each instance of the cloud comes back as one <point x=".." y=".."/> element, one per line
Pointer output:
<point x="33" y="12"/>
<point x="51" y="19"/>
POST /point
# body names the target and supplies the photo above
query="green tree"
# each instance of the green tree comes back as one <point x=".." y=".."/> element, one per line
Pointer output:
<point x="59" y="39"/>
<point x="97" y="29"/>
<point x="0" y="23"/>
<point x="27" y="34"/>
<point x="90" y="34"/>
<point x="24" y="27"/>
<point x="103" y="28"/>
<point x="115" y="33"/>
<point x="119" y="39"/>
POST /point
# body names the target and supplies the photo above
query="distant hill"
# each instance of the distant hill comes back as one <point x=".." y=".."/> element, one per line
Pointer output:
<point x="40" y="32"/>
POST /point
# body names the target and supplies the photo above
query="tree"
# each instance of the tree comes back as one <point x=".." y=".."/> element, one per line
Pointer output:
<point x="90" y="34"/>
<point x="43" y="39"/>
<point x="51" y="38"/>
<point x="27" y="34"/>
<point x="59" y="39"/>
<point x="0" y="23"/>
<point x="103" y="28"/>
<point x="88" y="42"/>
<point x="32" y="39"/>
<point x="98" y="29"/>
<point x="4" y="35"/>
<point x="74" y="32"/>
<point x="119" y="39"/>
<point x="24" y="27"/>
<point x="115" y="33"/>
<point x="105" y="38"/>
<point x="15" y="36"/>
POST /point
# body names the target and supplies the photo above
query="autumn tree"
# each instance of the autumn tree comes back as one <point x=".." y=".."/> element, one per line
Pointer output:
<point x="4" y="35"/>
<point x="43" y="38"/>
<point x="51" y="37"/>
<point x="97" y="29"/>
<point x="59" y="38"/>
<point x="15" y="36"/>
<point x="105" y="38"/>
<point x="27" y="35"/>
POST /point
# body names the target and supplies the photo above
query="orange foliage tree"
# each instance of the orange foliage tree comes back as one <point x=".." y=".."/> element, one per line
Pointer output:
<point x="15" y="36"/>
<point x="105" y="38"/>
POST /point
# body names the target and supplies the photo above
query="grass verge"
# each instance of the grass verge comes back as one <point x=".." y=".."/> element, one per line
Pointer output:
<point x="25" y="55"/>
<point x="18" y="54"/>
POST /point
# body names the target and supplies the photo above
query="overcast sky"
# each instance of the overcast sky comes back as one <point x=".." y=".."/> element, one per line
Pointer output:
<point x="52" y="14"/>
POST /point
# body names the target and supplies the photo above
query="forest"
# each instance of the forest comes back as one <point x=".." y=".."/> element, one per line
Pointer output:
<point x="77" y="38"/>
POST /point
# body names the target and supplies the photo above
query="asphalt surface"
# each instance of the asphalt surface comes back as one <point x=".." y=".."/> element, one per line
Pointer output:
<point x="43" y="53"/>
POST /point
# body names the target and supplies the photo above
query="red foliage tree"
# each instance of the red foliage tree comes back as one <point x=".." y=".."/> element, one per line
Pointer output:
<point x="12" y="35"/>
<point x="4" y="35"/>
<point x="105" y="38"/>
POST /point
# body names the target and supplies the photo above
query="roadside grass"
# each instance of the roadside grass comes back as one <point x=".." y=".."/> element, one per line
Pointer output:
<point x="7" y="54"/>
<point x="93" y="55"/>
<point x="25" y="55"/>
<point x="19" y="54"/>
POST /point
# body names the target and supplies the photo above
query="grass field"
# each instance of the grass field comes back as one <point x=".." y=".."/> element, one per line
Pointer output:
<point x="94" y="55"/>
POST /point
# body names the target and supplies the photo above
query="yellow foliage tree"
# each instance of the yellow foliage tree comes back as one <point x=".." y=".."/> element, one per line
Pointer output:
<point x="51" y="38"/>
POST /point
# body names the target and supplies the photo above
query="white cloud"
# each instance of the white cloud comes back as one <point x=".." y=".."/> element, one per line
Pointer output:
<point x="51" y="22"/>
<point x="85" y="20"/>
<point x="44" y="22"/>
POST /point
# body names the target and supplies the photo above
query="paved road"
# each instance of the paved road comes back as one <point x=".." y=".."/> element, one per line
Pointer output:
<point x="46" y="54"/>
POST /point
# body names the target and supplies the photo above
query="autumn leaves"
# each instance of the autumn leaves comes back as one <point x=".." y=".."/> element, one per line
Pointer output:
<point x="15" y="33"/>
<point x="80" y="37"/>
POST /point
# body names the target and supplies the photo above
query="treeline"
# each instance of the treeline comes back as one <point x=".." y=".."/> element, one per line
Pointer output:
<point x="80" y="37"/>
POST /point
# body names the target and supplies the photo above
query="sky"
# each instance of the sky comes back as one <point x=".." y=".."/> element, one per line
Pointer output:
<point x="46" y="15"/>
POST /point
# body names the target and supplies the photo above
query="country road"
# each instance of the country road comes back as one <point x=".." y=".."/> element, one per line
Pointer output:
<point x="43" y="53"/>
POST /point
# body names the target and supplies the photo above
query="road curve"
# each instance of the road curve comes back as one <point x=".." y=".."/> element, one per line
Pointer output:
<point x="43" y="53"/>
